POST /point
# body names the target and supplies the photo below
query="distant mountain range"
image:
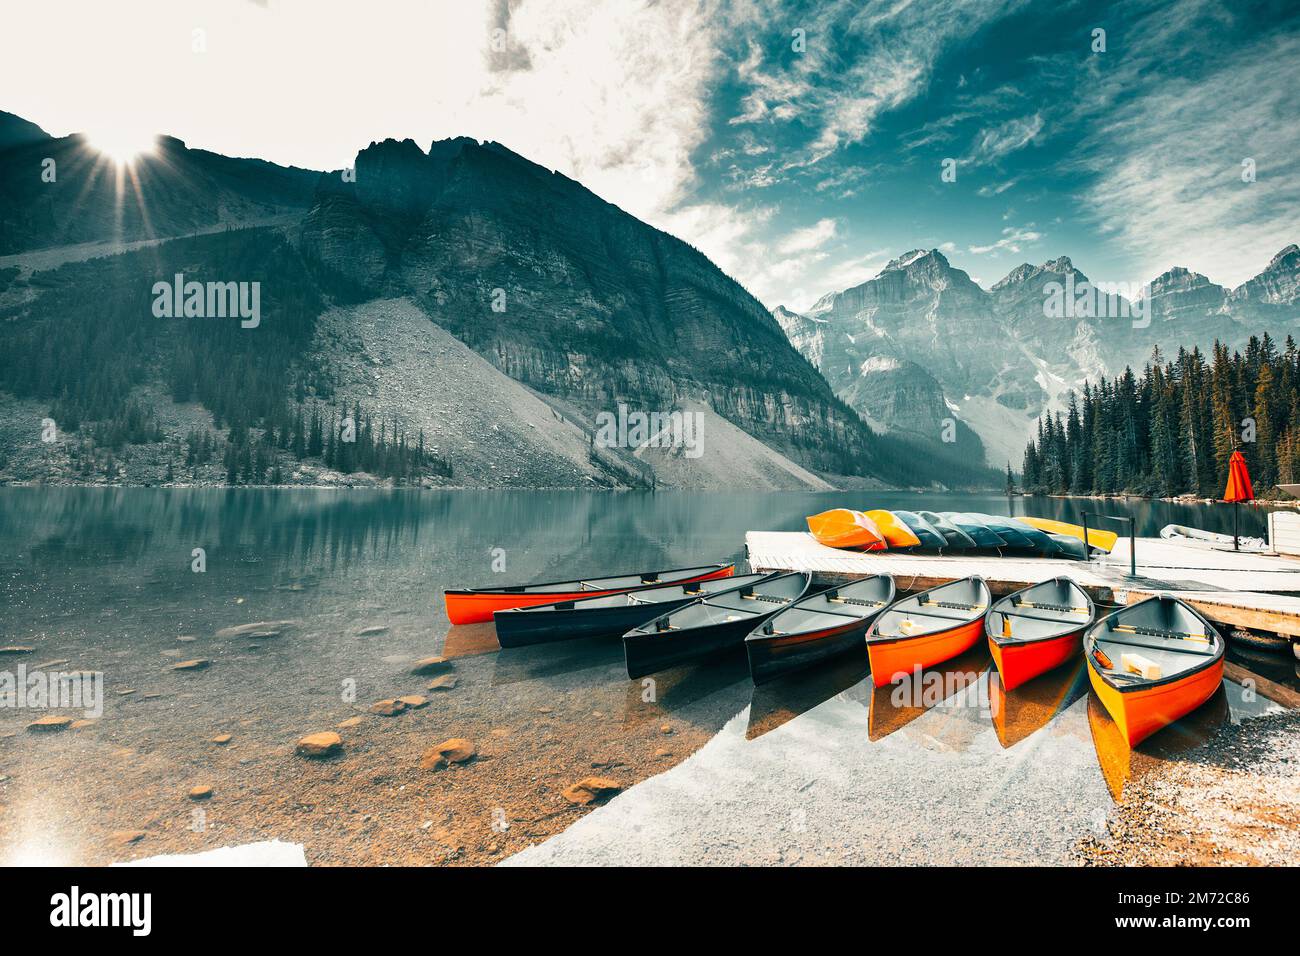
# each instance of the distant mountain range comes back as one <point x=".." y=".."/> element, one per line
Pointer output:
<point x="922" y="344"/>
<point x="462" y="293"/>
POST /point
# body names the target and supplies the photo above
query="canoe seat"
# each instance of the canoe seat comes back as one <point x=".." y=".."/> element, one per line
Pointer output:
<point x="1158" y="632"/>
<point x="860" y="602"/>
<point x="1041" y="606"/>
<point x="954" y="605"/>
<point x="1080" y="619"/>
<point x="1170" y="660"/>
<point x="1206" y="651"/>
<point x="797" y="620"/>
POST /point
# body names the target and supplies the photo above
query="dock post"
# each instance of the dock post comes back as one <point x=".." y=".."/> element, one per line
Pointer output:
<point x="1132" y="539"/>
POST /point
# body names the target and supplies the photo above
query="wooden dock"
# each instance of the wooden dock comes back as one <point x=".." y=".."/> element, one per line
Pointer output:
<point x="1241" y="589"/>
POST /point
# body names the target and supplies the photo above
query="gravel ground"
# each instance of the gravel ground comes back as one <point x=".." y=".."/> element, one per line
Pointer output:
<point x="932" y="788"/>
<point x="1233" y="801"/>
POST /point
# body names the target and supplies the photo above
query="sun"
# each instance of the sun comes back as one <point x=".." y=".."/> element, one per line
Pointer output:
<point x="121" y="144"/>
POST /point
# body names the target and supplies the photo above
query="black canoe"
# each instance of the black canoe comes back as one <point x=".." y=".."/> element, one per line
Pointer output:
<point x="817" y="626"/>
<point x="609" y="616"/>
<point x="709" y="624"/>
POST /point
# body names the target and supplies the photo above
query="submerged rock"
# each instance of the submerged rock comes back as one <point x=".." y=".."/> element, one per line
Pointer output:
<point x="17" y="649"/>
<point x="372" y="630"/>
<point x="414" y="701"/>
<point x="263" y="627"/>
<point x="127" y="837"/>
<point x="442" y="682"/>
<point x="455" y="750"/>
<point x="324" y="744"/>
<point x="591" y="789"/>
<point x="350" y="722"/>
<point x="388" y="708"/>
<point x="201" y="792"/>
<point x="49" y="723"/>
<point x="198" y="664"/>
<point x="431" y="665"/>
<point x="222" y="739"/>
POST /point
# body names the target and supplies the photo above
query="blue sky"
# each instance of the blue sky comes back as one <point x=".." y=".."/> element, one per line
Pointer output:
<point x="798" y="172"/>
<point x="1127" y="160"/>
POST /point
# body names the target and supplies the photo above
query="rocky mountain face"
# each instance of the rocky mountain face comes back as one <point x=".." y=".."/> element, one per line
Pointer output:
<point x="922" y="341"/>
<point x="572" y="296"/>
<point x="893" y="346"/>
<point x="543" y="305"/>
<point x="172" y="190"/>
<point x="1278" y="284"/>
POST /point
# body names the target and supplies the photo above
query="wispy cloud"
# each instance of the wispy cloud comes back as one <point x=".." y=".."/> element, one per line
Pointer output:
<point x="812" y="237"/>
<point x="1169" y="162"/>
<point x="859" y="63"/>
<point x="994" y="143"/>
<point x="1012" y="240"/>
<point x="996" y="189"/>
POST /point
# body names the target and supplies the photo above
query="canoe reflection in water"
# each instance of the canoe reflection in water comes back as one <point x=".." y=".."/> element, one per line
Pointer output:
<point x="779" y="701"/>
<point x="1121" y="763"/>
<point x="1019" y="713"/>
<point x="894" y="706"/>
<point x="470" y="640"/>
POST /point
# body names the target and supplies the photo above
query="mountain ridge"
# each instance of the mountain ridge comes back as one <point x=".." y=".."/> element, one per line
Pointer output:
<point x="596" y="308"/>
<point x="1043" y="357"/>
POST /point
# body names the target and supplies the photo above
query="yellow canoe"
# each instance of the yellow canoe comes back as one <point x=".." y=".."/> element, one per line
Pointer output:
<point x="846" y="528"/>
<point x="897" y="534"/>
<point x="1105" y="540"/>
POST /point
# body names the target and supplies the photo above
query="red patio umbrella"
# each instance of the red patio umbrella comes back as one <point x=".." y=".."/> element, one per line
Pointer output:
<point x="1238" y="490"/>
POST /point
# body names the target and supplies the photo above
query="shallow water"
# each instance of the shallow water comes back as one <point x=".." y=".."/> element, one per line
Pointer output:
<point x="103" y="579"/>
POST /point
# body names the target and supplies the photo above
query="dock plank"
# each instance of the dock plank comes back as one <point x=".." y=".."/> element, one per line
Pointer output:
<point x="1279" y="613"/>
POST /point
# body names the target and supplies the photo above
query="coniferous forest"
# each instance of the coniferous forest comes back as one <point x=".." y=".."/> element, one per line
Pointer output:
<point x="84" y="347"/>
<point x="1171" y="430"/>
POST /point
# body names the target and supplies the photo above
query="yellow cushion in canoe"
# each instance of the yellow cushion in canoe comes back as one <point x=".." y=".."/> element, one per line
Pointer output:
<point x="897" y="534"/>
<point x="1105" y="540"/>
<point x="845" y="528"/>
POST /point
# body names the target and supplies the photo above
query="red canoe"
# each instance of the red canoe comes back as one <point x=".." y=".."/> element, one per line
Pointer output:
<point x="1038" y="629"/>
<point x="927" y="628"/>
<point x="475" y="605"/>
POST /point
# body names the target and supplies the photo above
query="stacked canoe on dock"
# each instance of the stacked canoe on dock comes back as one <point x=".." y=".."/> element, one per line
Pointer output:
<point x="1149" y="664"/>
<point x="882" y="530"/>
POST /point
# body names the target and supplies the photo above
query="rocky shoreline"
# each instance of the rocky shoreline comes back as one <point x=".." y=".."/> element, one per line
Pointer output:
<point x="1235" y="801"/>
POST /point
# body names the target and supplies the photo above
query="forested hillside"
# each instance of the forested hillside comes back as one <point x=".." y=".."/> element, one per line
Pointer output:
<point x="1171" y="430"/>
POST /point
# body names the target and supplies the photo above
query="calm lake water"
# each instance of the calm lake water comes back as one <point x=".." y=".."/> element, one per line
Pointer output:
<point x="102" y="579"/>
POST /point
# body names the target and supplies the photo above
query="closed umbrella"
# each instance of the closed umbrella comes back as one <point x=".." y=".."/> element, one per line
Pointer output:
<point x="1238" y="490"/>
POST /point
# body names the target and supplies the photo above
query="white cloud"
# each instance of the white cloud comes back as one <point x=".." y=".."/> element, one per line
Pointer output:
<point x="996" y="189"/>
<point x="1169" y="178"/>
<point x="1012" y="240"/>
<point x="610" y="92"/>
<point x="840" y="95"/>
<point x="994" y="143"/>
<point x="809" y="238"/>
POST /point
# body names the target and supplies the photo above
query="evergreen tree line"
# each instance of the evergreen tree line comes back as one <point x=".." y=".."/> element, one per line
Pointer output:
<point x="346" y="441"/>
<point x="1171" y="430"/>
